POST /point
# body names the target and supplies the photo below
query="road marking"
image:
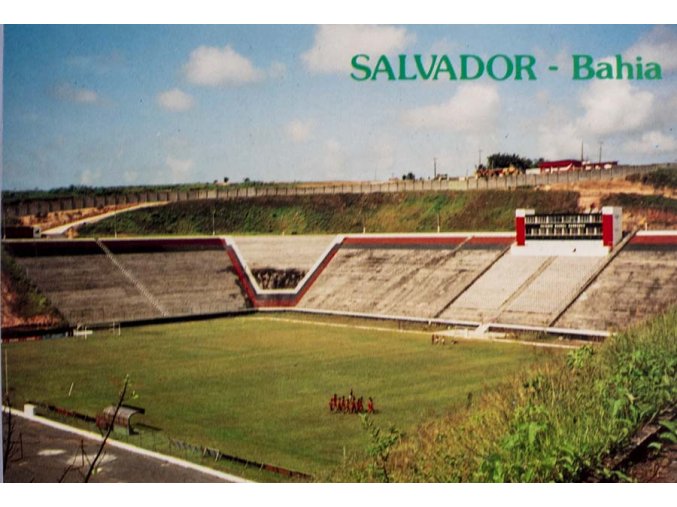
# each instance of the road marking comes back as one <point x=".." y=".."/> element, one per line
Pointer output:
<point x="127" y="447"/>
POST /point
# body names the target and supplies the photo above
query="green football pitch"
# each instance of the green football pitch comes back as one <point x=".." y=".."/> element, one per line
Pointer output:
<point x="258" y="387"/>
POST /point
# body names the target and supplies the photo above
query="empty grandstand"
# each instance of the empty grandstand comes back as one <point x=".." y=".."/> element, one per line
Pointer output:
<point x="640" y="282"/>
<point x="123" y="280"/>
<point x="414" y="277"/>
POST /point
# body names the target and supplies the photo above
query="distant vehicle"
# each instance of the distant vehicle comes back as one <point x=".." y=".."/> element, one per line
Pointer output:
<point x="485" y="172"/>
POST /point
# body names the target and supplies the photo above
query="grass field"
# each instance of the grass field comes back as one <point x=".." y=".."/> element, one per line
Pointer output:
<point x="258" y="387"/>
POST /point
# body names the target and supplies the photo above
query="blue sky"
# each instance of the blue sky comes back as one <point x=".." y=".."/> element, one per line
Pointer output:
<point x="123" y="105"/>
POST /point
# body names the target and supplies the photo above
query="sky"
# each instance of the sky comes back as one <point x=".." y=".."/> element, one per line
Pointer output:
<point x="110" y="105"/>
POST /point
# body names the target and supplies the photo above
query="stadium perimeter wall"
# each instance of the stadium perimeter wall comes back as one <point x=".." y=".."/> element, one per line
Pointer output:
<point x="43" y="206"/>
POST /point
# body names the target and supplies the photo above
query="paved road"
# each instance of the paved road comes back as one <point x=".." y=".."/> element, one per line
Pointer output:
<point x="54" y="452"/>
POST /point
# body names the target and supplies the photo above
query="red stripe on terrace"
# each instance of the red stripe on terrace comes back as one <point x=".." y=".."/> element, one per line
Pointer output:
<point x="491" y="240"/>
<point x="293" y="300"/>
<point x="166" y="242"/>
<point x="239" y="271"/>
<point x="426" y="240"/>
<point x="273" y="300"/>
<point x="654" y="240"/>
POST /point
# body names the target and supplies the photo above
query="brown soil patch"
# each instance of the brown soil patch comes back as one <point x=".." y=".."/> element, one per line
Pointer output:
<point x="57" y="218"/>
<point x="592" y="194"/>
<point x="658" y="467"/>
<point x="12" y="319"/>
<point x="591" y="191"/>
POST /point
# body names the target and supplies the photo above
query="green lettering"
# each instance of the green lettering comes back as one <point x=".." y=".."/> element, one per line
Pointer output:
<point x="604" y="71"/>
<point x="403" y="70"/>
<point x="464" y="67"/>
<point x="583" y="67"/>
<point x="524" y="63"/>
<point x="383" y="65"/>
<point x="421" y="70"/>
<point x="445" y="66"/>
<point x="508" y="67"/>
<point x="653" y="71"/>
<point x="358" y="66"/>
<point x="621" y="66"/>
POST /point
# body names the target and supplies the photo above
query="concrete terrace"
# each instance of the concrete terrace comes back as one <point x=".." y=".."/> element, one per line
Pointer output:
<point x="640" y="282"/>
<point x="397" y="279"/>
<point x="449" y="278"/>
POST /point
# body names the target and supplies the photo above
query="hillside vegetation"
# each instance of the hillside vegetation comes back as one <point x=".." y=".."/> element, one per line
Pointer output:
<point x="662" y="178"/>
<point x="22" y="303"/>
<point x="339" y="213"/>
<point x="557" y="423"/>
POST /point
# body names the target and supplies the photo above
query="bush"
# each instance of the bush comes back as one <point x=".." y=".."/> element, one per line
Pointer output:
<point x="662" y="178"/>
<point x="557" y="423"/>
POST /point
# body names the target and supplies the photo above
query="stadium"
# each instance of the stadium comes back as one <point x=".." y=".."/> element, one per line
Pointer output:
<point x="236" y="344"/>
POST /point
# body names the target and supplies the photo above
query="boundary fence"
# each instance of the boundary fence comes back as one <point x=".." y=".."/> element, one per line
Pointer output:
<point x="43" y="206"/>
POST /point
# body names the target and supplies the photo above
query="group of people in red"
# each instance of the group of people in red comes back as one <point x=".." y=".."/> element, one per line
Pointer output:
<point x="350" y="404"/>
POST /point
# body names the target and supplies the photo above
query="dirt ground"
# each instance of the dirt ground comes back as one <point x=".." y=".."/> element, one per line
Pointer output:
<point x="57" y="218"/>
<point x="592" y="191"/>
<point x="659" y="467"/>
<point x="11" y="319"/>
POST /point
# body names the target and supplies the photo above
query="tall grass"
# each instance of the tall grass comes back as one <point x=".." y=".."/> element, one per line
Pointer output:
<point x="556" y="423"/>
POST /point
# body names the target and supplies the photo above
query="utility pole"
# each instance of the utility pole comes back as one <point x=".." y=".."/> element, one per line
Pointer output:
<point x="581" y="151"/>
<point x="435" y="168"/>
<point x="600" y="151"/>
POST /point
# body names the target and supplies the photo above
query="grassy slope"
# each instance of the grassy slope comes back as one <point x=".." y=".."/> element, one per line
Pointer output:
<point x="403" y="212"/>
<point x="554" y="424"/>
<point x="259" y="388"/>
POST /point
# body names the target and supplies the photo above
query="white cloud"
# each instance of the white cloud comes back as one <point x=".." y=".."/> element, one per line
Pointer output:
<point x="211" y="66"/>
<point x="90" y="178"/>
<point x="659" y="45"/>
<point x="175" y="100"/>
<point x="299" y="131"/>
<point x="78" y="95"/>
<point x="652" y="142"/>
<point x="335" y="45"/>
<point x="474" y="108"/>
<point x="558" y="140"/>
<point x="179" y="170"/>
<point x="615" y="106"/>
